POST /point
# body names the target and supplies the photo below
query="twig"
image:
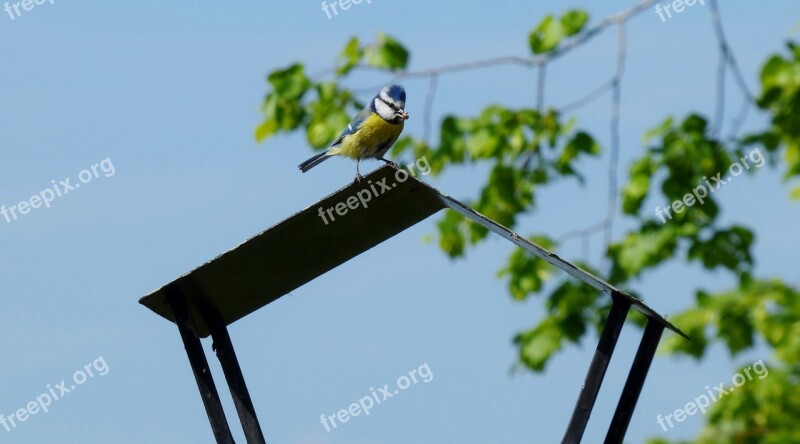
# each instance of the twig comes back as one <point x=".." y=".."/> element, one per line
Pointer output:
<point x="585" y="100"/>
<point x="607" y="224"/>
<point x="613" y="160"/>
<point x="728" y="60"/>
<point x="540" y="78"/>
<point x="534" y="61"/>
<point x="426" y="135"/>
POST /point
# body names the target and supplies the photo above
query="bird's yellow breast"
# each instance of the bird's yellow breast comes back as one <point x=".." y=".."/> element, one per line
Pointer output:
<point x="375" y="133"/>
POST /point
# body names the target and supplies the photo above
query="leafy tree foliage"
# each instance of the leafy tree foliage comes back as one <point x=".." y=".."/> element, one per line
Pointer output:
<point x="526" y="149"/>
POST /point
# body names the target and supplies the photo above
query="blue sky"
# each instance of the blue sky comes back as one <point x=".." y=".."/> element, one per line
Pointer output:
<point x="170" y="94"/>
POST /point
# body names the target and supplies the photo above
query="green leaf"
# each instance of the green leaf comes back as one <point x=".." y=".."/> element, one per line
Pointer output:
<point x="550" y="31"/>
<point x="291" y="82"/>
<point x="387" y="53"/>
<point x="695" y="323"/>
<point x="266" y="129"/>
<point x="795" y="195"/>
<point x="729" y="248"/>
<point x="574" y="21"/>
<point x="539" y="344"/>
<point x="350" y="56"/>
<point x="640" y="250"/>
<point x="281" y="114"/>
<point x="327" y="114"/>
<point x="776" y="72"/>
<point x="283" y="108"/>
<point x="735" y="326"/>
<point x="452" y="147"/>
<point x="546" y="36"/>
<point x="508" y="193"/>
<point x="660" y="130"/>
<point x="451" y="234"/>
<point x="325" y="127"/>
<point x="584" y="143"/>
<point x="634" y="194"/>
<point x="526" y="273"/>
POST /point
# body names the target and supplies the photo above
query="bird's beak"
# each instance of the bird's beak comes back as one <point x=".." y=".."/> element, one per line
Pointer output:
<point x="402" y="114"/>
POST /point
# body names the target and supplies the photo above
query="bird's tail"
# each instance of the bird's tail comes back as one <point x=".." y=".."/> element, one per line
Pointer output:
<point x="314" y="161"/>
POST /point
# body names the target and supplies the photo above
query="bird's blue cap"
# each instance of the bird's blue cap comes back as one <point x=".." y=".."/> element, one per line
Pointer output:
<point x="396" y="92"/>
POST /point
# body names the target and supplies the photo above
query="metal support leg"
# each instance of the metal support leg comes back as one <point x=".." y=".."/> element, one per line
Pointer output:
<point x="202" y="374"/>
<point x="635" y="382"/>
<point x="233" y="375"/>
<point x="597" y="371"/>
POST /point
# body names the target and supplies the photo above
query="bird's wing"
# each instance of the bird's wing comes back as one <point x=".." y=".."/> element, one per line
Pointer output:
<point x="354" y="125"/>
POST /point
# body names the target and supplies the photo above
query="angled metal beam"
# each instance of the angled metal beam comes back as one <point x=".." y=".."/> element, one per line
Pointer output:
<point x="304" y="246"/>
<point x="597" y="371"/>
<point x="233" y="375"/>
<point x="197" y="360"/>
<point x="310" y="243"/>
<point x="635" y="382"/>
<point x="553" y="259"/>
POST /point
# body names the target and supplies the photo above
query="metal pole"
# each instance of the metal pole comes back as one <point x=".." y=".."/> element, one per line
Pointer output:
<point x="597" y="371"/>
<point x="202" y="374"/>
<point x="635" y="382"/>
<point x="233" y="375"/>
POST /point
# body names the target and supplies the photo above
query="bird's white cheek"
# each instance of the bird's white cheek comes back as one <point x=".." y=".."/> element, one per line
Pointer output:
<point x="384" y="110"/>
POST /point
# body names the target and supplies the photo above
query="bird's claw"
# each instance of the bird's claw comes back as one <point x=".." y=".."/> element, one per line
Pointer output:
<point x="390" y="163"/>
<point x="358" y="178"/>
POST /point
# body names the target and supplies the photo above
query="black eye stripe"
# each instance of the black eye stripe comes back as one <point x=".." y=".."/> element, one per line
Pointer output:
<point x="390" y="105"/>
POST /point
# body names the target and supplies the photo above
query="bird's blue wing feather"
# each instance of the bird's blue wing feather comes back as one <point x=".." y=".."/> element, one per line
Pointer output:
<point x="354" y="125"/>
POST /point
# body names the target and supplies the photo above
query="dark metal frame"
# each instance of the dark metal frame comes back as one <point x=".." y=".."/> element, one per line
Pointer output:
<point x="205" y="381"/>
<point x="191" y="305"/>
<point x="597" y="371"/>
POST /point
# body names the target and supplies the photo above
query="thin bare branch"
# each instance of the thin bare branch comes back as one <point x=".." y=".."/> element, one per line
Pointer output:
<point x="727" y="60"/>
<point x="613" y="160"/>
<point x="587" y="99"/>
<point x="426" y="135"/>
<point x="540" y="78"/>
<point x="534" y="61"/>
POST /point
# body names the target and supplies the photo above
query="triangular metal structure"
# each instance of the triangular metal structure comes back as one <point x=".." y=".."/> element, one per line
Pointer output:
<point x="331" y="232"/>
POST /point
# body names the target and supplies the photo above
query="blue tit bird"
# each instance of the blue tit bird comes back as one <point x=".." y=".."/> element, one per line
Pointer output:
<point x="371" y="133"/>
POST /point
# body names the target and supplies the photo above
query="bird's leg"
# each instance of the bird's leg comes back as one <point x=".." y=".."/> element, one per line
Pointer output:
<point x="389" y="162"/>
<point x="358" y="174"/>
